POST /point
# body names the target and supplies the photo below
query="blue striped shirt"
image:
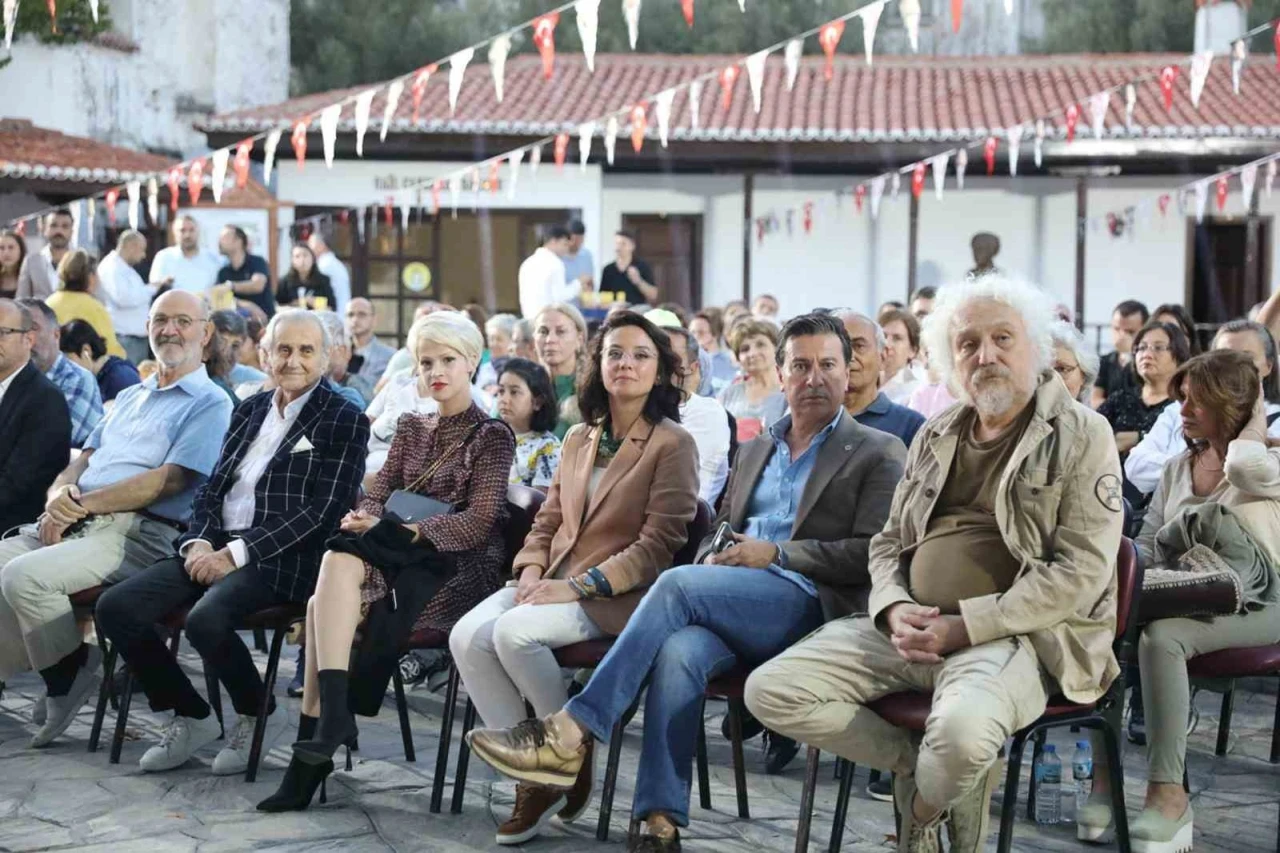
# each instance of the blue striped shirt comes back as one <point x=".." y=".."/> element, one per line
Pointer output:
<point x="84" y="398"/>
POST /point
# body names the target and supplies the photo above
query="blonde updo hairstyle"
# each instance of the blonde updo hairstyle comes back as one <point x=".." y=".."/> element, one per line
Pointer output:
<point x="451" y="329"/>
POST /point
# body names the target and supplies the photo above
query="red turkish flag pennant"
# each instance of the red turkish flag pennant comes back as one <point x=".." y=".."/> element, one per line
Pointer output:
<point x="1277" y="43"/>
<point x="1073" y="118"/>
<point x="807" y="219"/>
<point x="241" y="163"/>
<point x="760" y="223"/>
<point x="562" y="149"/>
<point x="494" y="178"/>
<point x="1163" y="203"/>
<point x="53" y="14"/>
<point x="859" y="193"/>
<point x="419" y="88"/>
<point x="1220" y="192"/>
<point x="686" y="6"/>
<point x="299" y="140"/>
<point x="989" y="153"/>
<point x="389" y="211"/>
<point x="1167" y="76"/>
<point x="113" y="196"/>
<point x="195" y="181"/>
<point x="957" y="11"/>
<point x="639" y="121"/>
<point x="917" y="180"/>
<point x="21" y="228"/>
<point x="174" y="182"/>
<point x="728" y="77"/>
<point x="436" y="189"/>
<point x="544" y="38"/>
<point x="343" y="216"/>
<point x="829" y="37"/>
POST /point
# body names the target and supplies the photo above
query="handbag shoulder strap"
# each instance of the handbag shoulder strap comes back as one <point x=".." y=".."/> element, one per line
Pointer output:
<point x="444" y="457"/>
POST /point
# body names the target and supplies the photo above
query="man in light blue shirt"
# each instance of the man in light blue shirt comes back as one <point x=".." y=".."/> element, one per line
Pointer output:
<point x="579" y="266"/>
<point x="115" y="510"/>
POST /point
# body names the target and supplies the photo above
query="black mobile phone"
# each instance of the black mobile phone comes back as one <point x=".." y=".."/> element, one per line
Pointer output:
<point x="723" y="538"/>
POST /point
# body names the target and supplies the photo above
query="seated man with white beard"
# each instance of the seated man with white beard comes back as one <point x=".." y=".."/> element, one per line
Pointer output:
<point x="993" y="581"/>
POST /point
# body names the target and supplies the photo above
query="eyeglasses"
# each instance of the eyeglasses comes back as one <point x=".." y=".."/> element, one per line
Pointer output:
<point x="5" y="331"/>
<point x="1065" y="370"/>
<point x="1154" y="349"/>
<point x="182" y="321"/>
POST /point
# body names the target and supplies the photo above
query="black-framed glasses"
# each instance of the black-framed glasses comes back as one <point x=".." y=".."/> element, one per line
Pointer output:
<point x="5" y="331"/>
<point x="1154" y="349"/>
<point x="1065" y="370"/>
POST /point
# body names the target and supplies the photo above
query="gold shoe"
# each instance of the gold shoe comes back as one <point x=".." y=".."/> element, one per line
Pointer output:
<point x="531" y="752"/>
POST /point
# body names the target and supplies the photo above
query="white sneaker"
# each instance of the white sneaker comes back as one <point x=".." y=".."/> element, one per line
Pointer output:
<point x="180" y="740"/>
<point x="234" y="757"/>
<point x="39" y="711"/>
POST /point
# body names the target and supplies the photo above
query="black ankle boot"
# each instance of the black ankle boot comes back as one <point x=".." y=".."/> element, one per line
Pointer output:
<point x="299" y="785"/>
<point x="335" y="726"/>
<point x="307" y="727"/>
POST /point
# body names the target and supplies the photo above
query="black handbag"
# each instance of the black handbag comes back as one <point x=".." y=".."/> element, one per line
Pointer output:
<point x="406" y="506"/>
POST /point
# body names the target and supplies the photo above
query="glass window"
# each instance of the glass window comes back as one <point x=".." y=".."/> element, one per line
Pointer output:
<point x="385" y="320"/>
<point x="419" y="240"/>
<point x="384" y="278"/>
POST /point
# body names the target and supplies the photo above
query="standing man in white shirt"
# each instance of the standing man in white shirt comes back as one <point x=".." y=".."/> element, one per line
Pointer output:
<point x="126" y="295"/>
<point x="38" y="277"/>
<point x="331" y="265"/>
<point x="542" y="279"/>
<point x="185" y="265"/>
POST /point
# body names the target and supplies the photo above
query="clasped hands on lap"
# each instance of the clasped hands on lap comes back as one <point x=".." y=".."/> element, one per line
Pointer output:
<point x="923" y="634"/>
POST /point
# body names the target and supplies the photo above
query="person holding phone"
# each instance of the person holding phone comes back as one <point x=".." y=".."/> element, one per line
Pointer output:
<point x="304" y="284"/>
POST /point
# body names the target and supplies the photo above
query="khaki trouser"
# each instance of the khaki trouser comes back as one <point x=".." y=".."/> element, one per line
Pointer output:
<point x="816" y="693"/>
<point x="37" y="626"/>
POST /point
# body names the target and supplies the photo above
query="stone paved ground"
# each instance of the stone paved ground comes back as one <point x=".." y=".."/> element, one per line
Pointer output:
<point x="63" y="798"/>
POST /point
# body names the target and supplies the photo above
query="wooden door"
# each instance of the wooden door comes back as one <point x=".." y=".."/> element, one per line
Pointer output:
<point x="672" y="246"/>
<point x="1229" y="268"/>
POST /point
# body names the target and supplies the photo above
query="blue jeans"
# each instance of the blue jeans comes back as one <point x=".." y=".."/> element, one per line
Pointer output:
<point x="695" y="623"/>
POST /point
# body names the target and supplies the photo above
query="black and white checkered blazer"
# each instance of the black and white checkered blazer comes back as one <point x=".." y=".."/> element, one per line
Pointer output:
<point x="302" y="494"/>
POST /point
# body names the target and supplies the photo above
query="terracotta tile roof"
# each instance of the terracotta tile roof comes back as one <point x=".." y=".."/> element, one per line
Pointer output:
<point x="896" y="99"/>
<point x="27" y="151"/>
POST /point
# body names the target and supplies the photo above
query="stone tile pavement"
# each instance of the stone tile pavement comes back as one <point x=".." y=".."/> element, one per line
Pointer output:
<point x="63" y="798"/>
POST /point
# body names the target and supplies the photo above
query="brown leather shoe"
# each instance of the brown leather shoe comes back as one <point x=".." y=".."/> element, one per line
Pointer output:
<point x="579" y="796"/>
<point x="534" y="807"/>
<point x="530" y="752"/>
<point x="653" y="844"/>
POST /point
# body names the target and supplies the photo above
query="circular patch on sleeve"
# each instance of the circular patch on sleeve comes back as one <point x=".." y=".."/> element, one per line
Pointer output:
<point x="1109" y="492"/>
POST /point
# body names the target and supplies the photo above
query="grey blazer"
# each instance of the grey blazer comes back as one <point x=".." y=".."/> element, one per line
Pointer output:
<point x="845" y="503"/>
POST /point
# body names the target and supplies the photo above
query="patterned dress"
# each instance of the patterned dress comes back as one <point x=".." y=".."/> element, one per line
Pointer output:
<point x="475" y="478"/>
<point x="537" y="458"/>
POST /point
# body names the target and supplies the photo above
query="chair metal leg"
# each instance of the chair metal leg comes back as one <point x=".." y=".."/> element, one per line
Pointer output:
<point x="704" y="776"/>
<point x="1275" y="741"/>
<point x="464" y="758"/>
<point x="1224" y="719"/>
<point x="1115" y="766"/>
<point x="446" y="738"/>
<point x="175" y="641"/>
<point x="214" y="692"/>
<point x="1037" y="747"/>
<point x="610" y="781"/>
<point x="104" y="695"/>
<point x="122" y="718"/>
<point x="402" y="709"/>
<point x="260" y="640"/>
<point x="806" y="799"/>
<point x="842" y="805"/>
<point x="268" y="687"/>
<point x="1009" y="808"/>
<point x="736" y="712"/>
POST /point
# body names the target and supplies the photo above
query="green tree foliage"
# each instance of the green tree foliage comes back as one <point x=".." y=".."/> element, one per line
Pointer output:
<point x="74" y="23"/>
<point x="1132" y="26"/>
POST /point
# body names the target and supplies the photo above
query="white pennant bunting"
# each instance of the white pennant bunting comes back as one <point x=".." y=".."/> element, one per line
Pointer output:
<point x="1098" y="105"/>
<point x="1202" y="199"/>
<point x="394" y="91"/>
<point x="76" y="215"/>
<point x="1014" y="135"/>
<point x="1239" y="52"/>
<point x="695" y="104"/>
<point x="1248" y="180"/>
<point x="218" y="174"/>
<point x="585" y="133"/>
<point x="910" y="11"/>
<point x="1271" y="177"/>
<point x="662" y="110"/>
<point x="93" y="10"/>
<point x="1039" y="143"/>
<point x="877" y="192"/>
<point x="755" y="76"/>
<point x="458" y="68"/>
<point x="405" y="208"/>
<point x="269" y="155"/>
<point x="588" y="15"/>
<point x="153" y="200"/>
<point x="134" y="190"/>
<point x="329" y="119"/>
<point x="10" y="19"/>
<point x="631" y="11"/>
<point x="742" y="6"/>
<point x="364" y="102"/>
<point x="91" y="208"/>
<point x="1130" y="102"/>
<point x="1008" y="7"/>
<point x="791" y="59"/>
<point x="610" y="138"/>
<point x="939" y="165"/>
<point x="358" y="216"/>
<point x="498" y="52"/>
<point x="513" y="163"/>
<point x="895" y="184"/>
<point x="535" y="160"/>
<point x="870" y="21"/>
<point x="1200" y="65"/>
<point x="962" y="165"/>
<point x="455" y="188"/>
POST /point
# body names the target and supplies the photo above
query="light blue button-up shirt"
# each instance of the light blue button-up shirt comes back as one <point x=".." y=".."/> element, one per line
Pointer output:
<point x="771" y="511"/>
<point x="183" y="425"/>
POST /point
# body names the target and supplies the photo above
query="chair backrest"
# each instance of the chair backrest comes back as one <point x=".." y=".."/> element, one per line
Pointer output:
<point x="523" y="504"/>
<point x="1128" y="591"/>
<point x="695" y="533"/>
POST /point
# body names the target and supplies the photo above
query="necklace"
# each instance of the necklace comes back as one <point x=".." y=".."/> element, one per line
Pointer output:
<point x="609" y="445"/>
<point x="1201" y="463"/>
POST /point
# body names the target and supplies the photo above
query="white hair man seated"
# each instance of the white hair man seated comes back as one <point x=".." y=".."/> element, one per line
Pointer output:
<point x="993" y="582"/>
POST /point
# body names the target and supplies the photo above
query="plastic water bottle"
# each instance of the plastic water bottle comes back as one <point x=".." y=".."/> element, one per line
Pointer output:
<point x="1048" y="782"/>
<point x="1082" y="773"/>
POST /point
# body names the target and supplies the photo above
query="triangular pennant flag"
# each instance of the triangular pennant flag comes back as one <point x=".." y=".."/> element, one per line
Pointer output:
<point x="153" y="201"/>
<point x="77" y="214"/>
<point x="957" y="13"/>
<point x="1221" y="190"/>
<point x="364" y="102"/>
<point x="870" y="21"/>
<point x="989" y="154"/>
<point x="10" y="19"/>
<point x="513" y="164"/>
<point x="299" y="140"/>
<point x="1168" y="74"/>
<point x="585" y="133"/>
<point x="639" y="122"/>
<point x="910" y="11"/>
<point x="1099" y="103"/>
<point x="419" y="88"/>
<point x="195" y="180"/>
<point x="329" y="119"/>
<point x="1239" y="52"/>
<point x="895" y="184"/>
<point x="829" y="38"/>
<point x="269" y="154"/>
<point x="455" y="189"/>
<point x="535" y="160"/>
<point x="1202" y="199"/>
<point x="498" y="51"/>
<point x="962" y="166"/>
<point x="807" y="217"/>
<point x="89" y="219"/>
<point x="1039" y="143"/>
<point x="695" y="104"/>
<point x="742" y="6"/>
<point x="241" y="163"/>
<point x="917" y="180"/>
<point x="1073" y="118"/>
<point x="686" y="7"/>
<point x="587" y="13"/>
<point x="544" y="39"/>
<point x="360" y="218"/>
<point x="877" y="192"/>
<point x="457" y="69"/>
<point x="791" y="59"/>
<point x="560" y="149"/>
<point x="394" y="91"/>
<point x="662" y="111"/>
<point x="1130" y="102"/>
<point x="1248" y="180"/>
<point x="173" y="181"/>
<point x="859" y="193"/>
<point x="218" y="175"/>
<point x="610" y="138"/>
<point x="1201" y="63"/>
<point x="1008" y="7"/>
<point x="1014" y="135"/>
<point x="474" y="175"/>
<point x="631" y="11"/>
<point x="134" y="191"/>
<point x="755" y="76"/>
<point x="1271" y="177"/>
<point x="728" y="77"/>
<point x="940" y="173"/>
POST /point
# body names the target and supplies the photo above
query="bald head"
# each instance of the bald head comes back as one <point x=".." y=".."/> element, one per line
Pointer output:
<point x="179" y="328"/>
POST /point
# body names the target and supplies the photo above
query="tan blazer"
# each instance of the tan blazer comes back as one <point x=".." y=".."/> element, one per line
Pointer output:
<point x="636" y="520"/>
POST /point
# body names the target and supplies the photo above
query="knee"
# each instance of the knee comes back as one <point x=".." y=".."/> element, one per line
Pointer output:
<point x="1161" y="638"/>
<point x="767" y="693"/>
<point x="968" y="739"/>
<point x="19" y="578"/>
<point x="685" y="663"/>
<point x="471" y="636"/>
<point x="512" y="633"/>
<point x="114" y="609"/>
<point x="673" y="582"/>
<point x="208" y="627"/>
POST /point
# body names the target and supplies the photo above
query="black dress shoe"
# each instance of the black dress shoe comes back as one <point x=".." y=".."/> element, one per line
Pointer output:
<point x="750" y="726"/>
<point x="779" y="753"/>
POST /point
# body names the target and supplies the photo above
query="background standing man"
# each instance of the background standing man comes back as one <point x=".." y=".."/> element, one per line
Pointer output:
<point x="126" y="295"/>
<point x="184" y="265"/>
<point x="628" y="274"/>
<point x="247" y="275"/>
<point x="38" y="278"/>
<point x="331" y="265"/>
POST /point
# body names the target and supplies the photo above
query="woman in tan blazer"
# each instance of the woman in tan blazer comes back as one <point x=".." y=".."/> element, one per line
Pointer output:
<point x="616" y="513"/>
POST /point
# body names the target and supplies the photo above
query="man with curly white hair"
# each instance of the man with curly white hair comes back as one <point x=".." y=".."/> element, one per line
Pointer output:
<point x="993" y="581"/>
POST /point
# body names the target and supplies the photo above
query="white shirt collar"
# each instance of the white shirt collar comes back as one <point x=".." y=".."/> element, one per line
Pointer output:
<point x="292" y="409"/>
<point x="4" y="385"/>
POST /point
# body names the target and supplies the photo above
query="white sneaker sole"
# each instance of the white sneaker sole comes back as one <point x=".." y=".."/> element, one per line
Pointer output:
<point x="1096" y="834"/>
<point x="1180" y="843"/>
<point x="533" y="831"/>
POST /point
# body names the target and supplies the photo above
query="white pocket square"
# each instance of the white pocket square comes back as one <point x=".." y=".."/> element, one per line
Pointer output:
<point x="302" y="446"/>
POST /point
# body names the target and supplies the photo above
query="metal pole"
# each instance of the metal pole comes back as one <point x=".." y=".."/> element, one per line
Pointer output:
<point x="913" y="240"/>
<point x="1082" y="216"/>
<point x="748" y="190"/>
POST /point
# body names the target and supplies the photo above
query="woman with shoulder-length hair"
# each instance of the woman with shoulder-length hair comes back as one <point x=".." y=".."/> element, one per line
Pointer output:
<point x="615" y="515"/>
<point x="77" y="300"/>
<point x="13" y="251"/>
<point x="448" y="469"/>
<point x="560" y="339"/>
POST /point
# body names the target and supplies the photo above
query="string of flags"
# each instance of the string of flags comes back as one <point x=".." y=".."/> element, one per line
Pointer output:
<point x="10" y="13"/>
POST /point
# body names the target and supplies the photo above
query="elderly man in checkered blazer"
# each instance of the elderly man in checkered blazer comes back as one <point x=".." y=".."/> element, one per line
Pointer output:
<point x="290" y="467"/>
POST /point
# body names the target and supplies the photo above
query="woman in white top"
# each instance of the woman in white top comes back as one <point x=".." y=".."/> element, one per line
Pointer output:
<point x="900" y="376"/>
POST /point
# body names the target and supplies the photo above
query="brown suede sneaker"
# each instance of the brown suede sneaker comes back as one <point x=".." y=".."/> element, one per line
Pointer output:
<point x="579" y="796"/>
<point x="530" y="752"/>
<point x="534" y="807"/>
<point x="970" y="818"/>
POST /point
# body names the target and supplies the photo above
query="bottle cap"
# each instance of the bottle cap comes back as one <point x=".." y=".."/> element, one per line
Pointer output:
<point x="1048" y="747"/>
<point x="1082" y="744"/>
